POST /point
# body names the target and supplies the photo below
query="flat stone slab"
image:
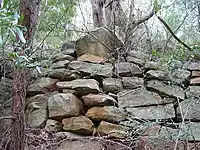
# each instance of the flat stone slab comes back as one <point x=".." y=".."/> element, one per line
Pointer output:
<point x="164" y="89"/>
<point x="42" y="85"/>
<point x="140" y="97"/>
<point x="64" y="74"/>
<point x="91" y="69"/>
<point x="132" y="82"/>
<point x="153" y="112"/>
<point x="157" y="74"/>
<point x="91" y="100"/>
<point x="126" y="69"/>
<point x="82" y="86"/>
<point x="195" y="81"/>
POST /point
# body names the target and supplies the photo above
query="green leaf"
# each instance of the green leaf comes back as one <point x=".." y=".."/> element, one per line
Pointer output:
<point x="5" y="3"/>
<point x="1" y="41"/>
<point x="20" y="35"/>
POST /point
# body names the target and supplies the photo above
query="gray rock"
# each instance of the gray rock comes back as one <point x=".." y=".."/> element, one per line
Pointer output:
<point x="53" y="126"/>
<point x="64" y="74"/>
<point x="193" y="91"/>
<point x="126" y="69"/>
<point x="63" y="105"/>
<point x="68" y="45"/>
<point x="138" y="54"/>
<point x="60" y="64"/>
<point x="139" y="97"/>
<point x="42" y="85"/>
<point x="190" y="109"/>
<point x="69" y="51"/>
<point x="62" y="57"/>
<point x="132" y="82"/>
<point x="181" y="76"/>
<point x="164" y="89"/>
<point x="112" y="85"/>
<point x="157" y="74"/>
<point x="193" y="66"/>
<point x="80" y="144"/>
<point x="82" y="86"/>
<point x="151" y="65"/>
<point x="91" y="69"/>
<point x="153" y="112"/>
<point x="36" y="112"/>
<point x="136" y="61"/>
<point x="92" y="43"/>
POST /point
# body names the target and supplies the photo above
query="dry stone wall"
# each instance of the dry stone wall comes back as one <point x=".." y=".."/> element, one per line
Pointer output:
<point x="91" y="96"/>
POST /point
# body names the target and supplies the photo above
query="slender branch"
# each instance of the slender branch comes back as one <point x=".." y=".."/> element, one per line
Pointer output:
<point x="7" y="117"/>
<point x="172" y="33"/>
<point x="145" y="18"/>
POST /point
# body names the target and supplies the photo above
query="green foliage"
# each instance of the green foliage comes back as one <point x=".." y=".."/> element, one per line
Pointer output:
<point x="56" y="13"/>
<point x="9" y="27"/>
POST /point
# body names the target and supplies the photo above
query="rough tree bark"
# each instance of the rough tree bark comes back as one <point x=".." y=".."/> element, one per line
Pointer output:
<point x="98" y="12"/>
<point x="30" y="10"/>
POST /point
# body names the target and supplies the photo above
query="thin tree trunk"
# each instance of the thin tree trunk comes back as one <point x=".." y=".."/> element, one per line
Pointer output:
<point x="18" y="99"/>
<point x="30" y="10"/>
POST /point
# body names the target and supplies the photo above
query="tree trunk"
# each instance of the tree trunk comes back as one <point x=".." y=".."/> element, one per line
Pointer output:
<point x="18" y="99"/>
<point x="30" y="10"/>
<point x="98" y="12"/>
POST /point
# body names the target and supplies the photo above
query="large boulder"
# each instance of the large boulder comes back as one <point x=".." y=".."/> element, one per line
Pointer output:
<point x="82" y="86"/>
<point x="92" y="69"/>
<point x="80" y="125"/>
<point x="101" y="42"/>
<point x="107" y="113"/>
<point x="64" y="105"/>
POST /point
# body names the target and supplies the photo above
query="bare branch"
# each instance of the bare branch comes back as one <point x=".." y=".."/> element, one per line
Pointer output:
<point x="7" y="117"/>
<point x="145" y="18"/>
<point x="172" y="33"/>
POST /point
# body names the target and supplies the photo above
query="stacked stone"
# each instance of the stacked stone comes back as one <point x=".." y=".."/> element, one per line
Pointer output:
<point x="89" y="95"/>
